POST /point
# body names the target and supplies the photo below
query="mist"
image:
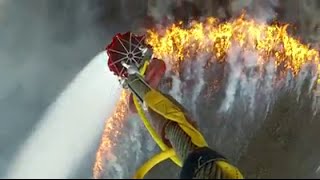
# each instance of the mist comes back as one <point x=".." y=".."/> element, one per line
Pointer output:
<point x="43" y="45"/>
<point x="68" y="130"/>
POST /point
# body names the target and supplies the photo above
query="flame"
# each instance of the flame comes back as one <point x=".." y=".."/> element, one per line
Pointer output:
<point x="177" y="43"/>
<point x="111" y="132"/>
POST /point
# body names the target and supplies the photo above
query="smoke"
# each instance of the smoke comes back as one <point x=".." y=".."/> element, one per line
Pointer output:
<point x="249" y="93"/>
<point x="247" y="98"/>
<point x="198" y="74"/>
<point x="44" y="44"/>
<point x="38" y="59"/>
<point x="2" y="4"/>
<point x="235" y="72"/>
<point x="175" y="91"/>
<point x="160" y="9"/>
<point x="134" y="147"/>
<point x="261" y="10"/>
<point x="69" y="128"/>
<point x="247" y="83"/>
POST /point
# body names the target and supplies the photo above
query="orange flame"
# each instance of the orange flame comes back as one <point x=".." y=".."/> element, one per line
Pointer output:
<point x="177" y="43"/>
<point x="110" y="134"/>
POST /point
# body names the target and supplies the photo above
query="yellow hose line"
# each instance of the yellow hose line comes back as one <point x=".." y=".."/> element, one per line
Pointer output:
<point x="147" y="166"/>
<point x="147" y="124"/>
<point x="171" y="112"/>
<point x="144" y="68"/>
<point x="163" y="106"/>
<point x="229" y="171"/>
<point x="166" y="108"/>
<point x="166" y="152"/>
<point x="152" y="131"/>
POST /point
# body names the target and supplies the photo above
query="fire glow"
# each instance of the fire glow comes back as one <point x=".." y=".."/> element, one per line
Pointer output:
<point x="178" y="42"/>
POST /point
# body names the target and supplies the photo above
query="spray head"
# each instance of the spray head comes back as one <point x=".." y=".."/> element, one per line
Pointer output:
<point x="131" y="69"/>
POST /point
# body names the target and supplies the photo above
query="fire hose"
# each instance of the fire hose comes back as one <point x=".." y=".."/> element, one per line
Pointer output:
<point x="178" y="139"/>
<point x="187" y="143"/>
